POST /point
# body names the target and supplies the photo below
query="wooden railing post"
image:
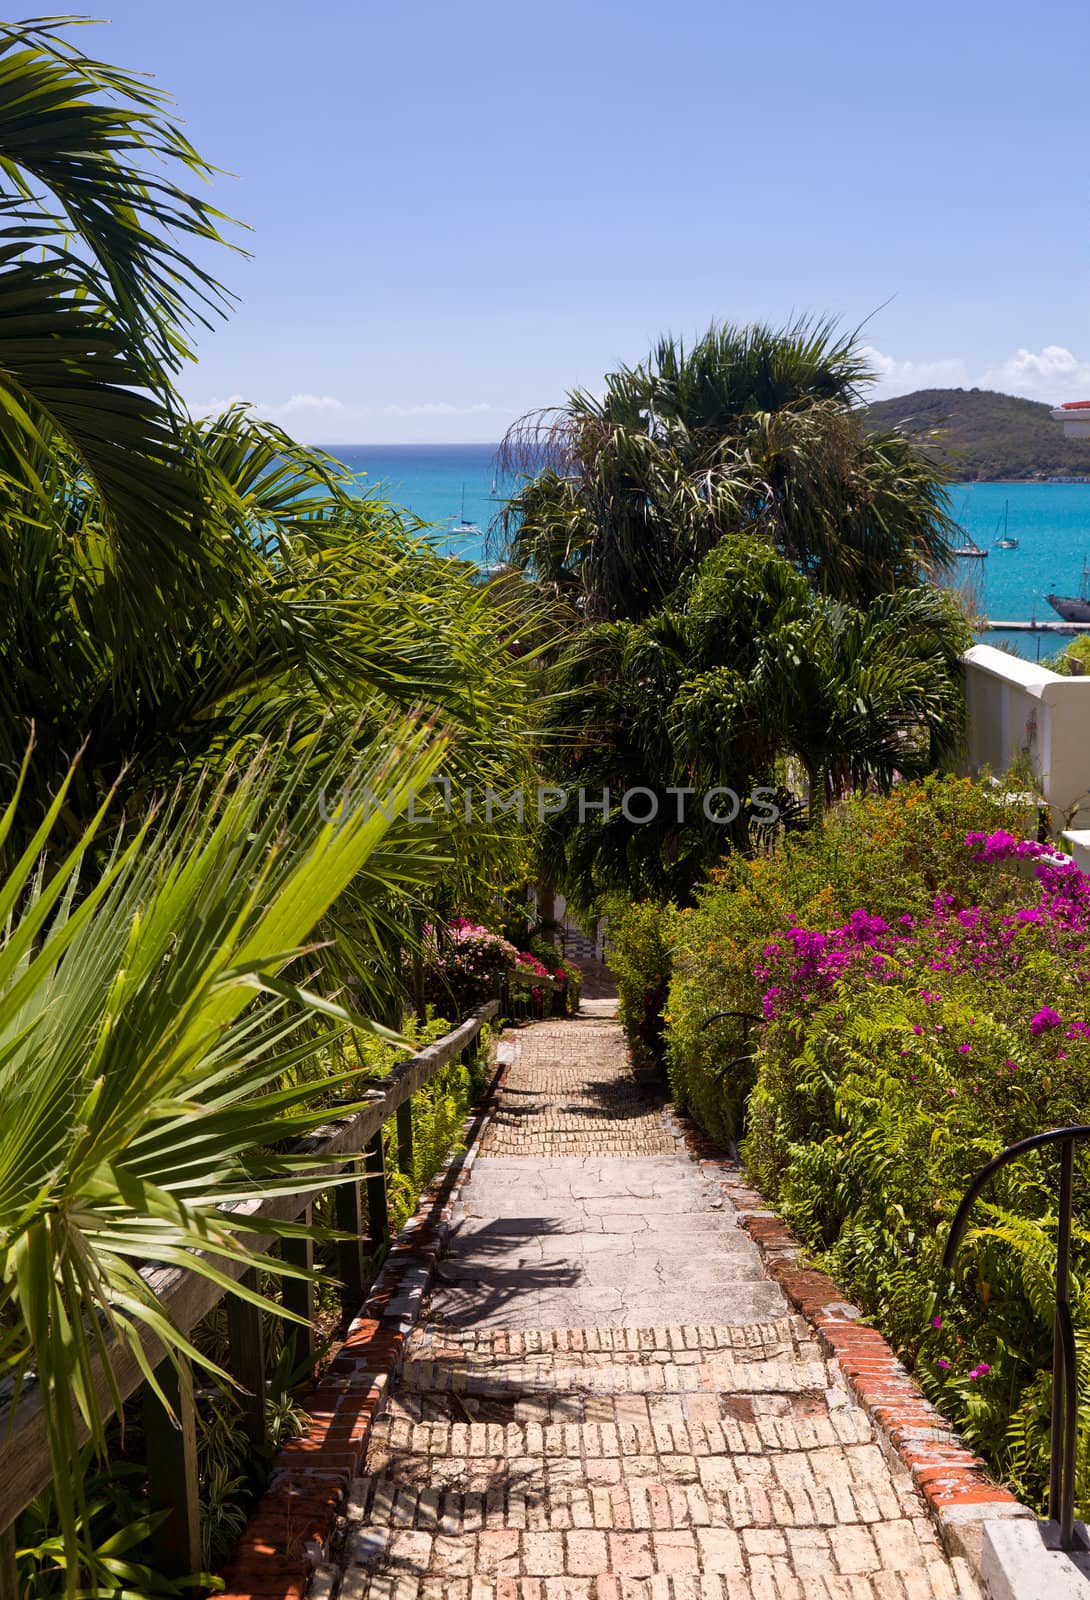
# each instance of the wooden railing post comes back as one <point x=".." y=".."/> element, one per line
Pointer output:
<point x="405" y="1138"/>
<point x="297" y="1295"/>
<point x="9" y="1577"/>
<point x="246" y="1339"/>
<point x="378" y="1211"/>
<point x="350" y="1252"/>
<point x="171" y="1449"/>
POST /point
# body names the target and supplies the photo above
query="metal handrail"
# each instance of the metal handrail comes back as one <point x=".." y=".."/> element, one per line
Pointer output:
<point x="717" y="1016"/>
<point x="748" y="1019"/>
<point x="1064" y="1419"/>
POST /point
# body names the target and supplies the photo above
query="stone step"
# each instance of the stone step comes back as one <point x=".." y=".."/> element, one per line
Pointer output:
<point x="720" y="1372"/>
<point x="772" y="1580"/>
<point x="701" y="1450"/>
<point x="677" y="1345"/>
<point x="546" y="1442"/>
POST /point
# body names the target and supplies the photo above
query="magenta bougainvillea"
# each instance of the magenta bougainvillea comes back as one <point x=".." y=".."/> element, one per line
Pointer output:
<point x="804" y="964"/>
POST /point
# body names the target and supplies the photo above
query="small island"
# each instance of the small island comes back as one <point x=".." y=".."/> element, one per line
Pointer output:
<point x="979" y="434"/>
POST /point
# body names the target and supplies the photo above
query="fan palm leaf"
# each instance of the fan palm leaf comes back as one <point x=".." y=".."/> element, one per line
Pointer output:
<point x="99" y="280"/>
<point x="146" y="1037"/>
<point x="752" y="431"/>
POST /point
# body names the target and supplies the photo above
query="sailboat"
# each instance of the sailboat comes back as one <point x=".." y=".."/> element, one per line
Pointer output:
<point x="464" y="526"/>
<point x="1074" y="608"/>
<point x="970" y="550"/>
<point x="1006" y="542"/>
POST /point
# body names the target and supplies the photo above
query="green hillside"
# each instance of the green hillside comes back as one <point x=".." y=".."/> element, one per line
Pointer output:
<point x="977" y="433"/>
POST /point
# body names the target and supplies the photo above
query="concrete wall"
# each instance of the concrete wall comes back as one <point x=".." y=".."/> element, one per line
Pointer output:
<point x="1018" y="709"/>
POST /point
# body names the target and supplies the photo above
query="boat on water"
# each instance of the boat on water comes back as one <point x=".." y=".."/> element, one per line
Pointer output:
<point x="970" y="550"/>
<point x="1074" y="607"/>
<point x="465" y="527"/>
<point x="1005" y="542"/>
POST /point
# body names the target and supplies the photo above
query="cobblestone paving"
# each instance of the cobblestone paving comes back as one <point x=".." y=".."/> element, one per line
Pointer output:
<point x="638" y="1455"/>
<point x="571" y="1092"/>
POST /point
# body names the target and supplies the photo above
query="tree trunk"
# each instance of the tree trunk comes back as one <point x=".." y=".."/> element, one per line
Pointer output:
<point x="545" y="895"/>
<point x="816" y="778"/>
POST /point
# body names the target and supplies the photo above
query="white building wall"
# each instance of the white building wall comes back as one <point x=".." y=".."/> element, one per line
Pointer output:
<point x="1018" y="709"/>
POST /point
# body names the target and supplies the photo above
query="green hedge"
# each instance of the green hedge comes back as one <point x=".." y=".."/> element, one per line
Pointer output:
<point x="895" y="851"/>
<point x="640" y="961"/>
<point x="899" y="1050"/>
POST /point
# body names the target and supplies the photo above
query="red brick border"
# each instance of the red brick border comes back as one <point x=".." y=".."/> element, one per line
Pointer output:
<point x="288" y="1532"/>
<point x="954" y="1482"/>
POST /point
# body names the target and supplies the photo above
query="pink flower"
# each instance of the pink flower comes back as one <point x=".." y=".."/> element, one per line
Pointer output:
<point x="979" y="1371"/>
<point x="943" y="1363"/>
<point x="936" y="1321"/>
<point x="1045" y="1019"/>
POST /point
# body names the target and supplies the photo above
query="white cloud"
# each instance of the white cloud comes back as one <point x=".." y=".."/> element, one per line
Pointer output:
<point x="901" y="377"/>
<point x="1053" y="374"/>
<point x="296" y="405"/>
<point x="442" y="408"/>
<point x="311" y="417"/>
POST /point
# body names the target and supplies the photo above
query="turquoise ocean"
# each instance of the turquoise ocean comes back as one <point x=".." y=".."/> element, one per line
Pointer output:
<point x="439" y="483"/>
<point x="1051" y="521"/>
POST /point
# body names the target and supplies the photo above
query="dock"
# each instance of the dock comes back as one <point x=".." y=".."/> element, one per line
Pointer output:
<point x="1035" y="627"/>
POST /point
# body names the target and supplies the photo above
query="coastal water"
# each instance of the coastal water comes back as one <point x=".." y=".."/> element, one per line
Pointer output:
<point x="440" y="484"/>
<point x="1051" y="522"/>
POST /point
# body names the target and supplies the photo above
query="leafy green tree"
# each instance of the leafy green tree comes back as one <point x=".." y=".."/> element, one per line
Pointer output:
<point x="100" y="283"/>
<point x="211" y="612"/>
<point x="745" y="678"/>
<point x="751" y="431"/>
<point x="339" y="623"/>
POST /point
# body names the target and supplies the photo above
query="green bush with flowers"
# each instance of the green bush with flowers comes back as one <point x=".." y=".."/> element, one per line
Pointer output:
<point x="464" y="964"/>
<point x="902" y="1043"/>
<point x="892" y="851"/>
<point x="564" y="973"/>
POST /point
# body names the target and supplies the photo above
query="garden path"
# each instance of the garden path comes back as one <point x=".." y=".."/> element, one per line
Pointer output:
<point x="608" y="1399"/>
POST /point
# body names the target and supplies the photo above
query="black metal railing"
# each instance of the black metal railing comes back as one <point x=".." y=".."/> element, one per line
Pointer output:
<point x="1065" y="1393"/>
<point x="748" y="1018"/>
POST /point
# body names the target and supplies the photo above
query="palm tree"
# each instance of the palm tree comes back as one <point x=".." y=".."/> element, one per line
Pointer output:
<point x="99" y="285"/>
<point x="745" y="676"/>
<point x="856" y="696"/>
<point x="336" y="615"/>
<point x="211" y="611"/>
<point x="751" y="430"/>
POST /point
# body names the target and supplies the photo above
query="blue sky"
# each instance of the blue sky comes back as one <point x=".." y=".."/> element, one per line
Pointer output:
<point x="459" y="212"/>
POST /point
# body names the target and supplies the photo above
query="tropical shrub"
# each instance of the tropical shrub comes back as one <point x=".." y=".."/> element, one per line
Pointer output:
<point x="563" y="972"/>
<point x="896" y="851"/>
<point x="464" y="963"/>
<point x="527" y="965"/>
<point x="640" y="962"/>
<point x="154" y="1021"/>
<point x="899" y="1053"/>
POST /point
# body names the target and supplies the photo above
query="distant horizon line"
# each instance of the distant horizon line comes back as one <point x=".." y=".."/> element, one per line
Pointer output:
<point x="411" y="444"/>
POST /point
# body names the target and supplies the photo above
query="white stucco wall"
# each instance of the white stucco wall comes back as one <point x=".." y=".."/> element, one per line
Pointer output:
<point x="1017" y="708"/>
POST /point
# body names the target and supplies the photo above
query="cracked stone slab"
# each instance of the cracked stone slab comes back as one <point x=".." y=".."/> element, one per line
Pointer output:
<point x="570" y="1240"/>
